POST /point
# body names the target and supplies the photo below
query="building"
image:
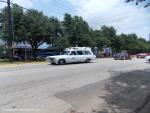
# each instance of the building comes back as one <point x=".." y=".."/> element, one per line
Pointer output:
<point x="22" y="51"/>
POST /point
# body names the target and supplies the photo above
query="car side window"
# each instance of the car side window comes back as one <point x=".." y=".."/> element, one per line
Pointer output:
<point x="87" y="53"/>
<point x="79" y="52"/>
<point x="73" y="53"/>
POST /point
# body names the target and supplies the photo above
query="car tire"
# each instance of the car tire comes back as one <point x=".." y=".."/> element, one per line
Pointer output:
<point x="53" y="63"/>
<point x="62" y="62"/>
<point x="87" y="60"/>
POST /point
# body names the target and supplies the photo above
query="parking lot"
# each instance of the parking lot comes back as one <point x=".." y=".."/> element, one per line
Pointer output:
<point x="45" y="88"/>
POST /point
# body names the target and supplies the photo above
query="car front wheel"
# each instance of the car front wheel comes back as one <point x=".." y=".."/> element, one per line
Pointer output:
<point x="62" y="62"/>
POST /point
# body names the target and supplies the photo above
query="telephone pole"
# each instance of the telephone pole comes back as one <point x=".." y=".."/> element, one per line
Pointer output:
<point x="10" y="32"/>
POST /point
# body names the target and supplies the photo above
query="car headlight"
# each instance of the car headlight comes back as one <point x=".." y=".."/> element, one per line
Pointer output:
<point x="52" y="59"/>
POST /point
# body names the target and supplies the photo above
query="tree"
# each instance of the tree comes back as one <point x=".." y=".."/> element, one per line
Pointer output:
<point x="38" y="29"/>
<point x="61" y="43"/>
<point x="35" y="28"/>
<point x="3" y="51"/>
<point x="17" y="18"/>
<point x="140" y="1"/>
<point x="99" y="39"/>
<point x="76" y="30"/>
<point x="32" y="27"/>
<point x="110" y="34"/>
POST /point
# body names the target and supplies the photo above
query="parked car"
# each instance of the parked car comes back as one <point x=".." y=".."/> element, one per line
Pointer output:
<point x="72" y="55"/>
<point x="122" y="56"/>
<point x="147" y="58"/>
<point x="42" y="54"/>
<point x="141" y="55"/>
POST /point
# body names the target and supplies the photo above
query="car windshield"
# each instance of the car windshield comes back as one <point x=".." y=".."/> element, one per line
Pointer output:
<point x="65" y="52"/>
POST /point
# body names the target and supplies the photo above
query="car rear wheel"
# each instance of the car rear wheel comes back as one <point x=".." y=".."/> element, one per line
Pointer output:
<point x="87" y="60"/>
<point x="62" y="62"/>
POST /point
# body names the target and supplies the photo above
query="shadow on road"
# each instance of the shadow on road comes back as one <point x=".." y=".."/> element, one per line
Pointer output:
<point x="128" y="93"/>
<point x="71" y="64"/>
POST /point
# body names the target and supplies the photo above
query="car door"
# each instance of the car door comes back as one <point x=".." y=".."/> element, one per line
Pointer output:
<point x="72" y="57"/>
<point x="88" y="55"/>
<point x="80" y="56"/>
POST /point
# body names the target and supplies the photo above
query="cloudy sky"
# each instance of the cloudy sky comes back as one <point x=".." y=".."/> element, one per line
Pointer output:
<point x="126" y="18"/>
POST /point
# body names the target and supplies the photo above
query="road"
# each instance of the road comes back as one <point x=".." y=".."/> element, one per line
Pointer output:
<point x="41" y="88"/>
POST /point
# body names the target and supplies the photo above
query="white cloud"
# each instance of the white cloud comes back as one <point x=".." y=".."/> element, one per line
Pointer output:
<point x="124" y="17"/>
<point x="24" y="3"/>
<point x="2" y="4"/>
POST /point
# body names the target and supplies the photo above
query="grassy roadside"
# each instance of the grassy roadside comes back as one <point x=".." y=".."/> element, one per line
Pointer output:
<point x="4" y="62"/>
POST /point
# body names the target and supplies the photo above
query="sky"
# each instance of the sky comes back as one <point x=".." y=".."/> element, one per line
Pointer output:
<point x="125" y="17"/>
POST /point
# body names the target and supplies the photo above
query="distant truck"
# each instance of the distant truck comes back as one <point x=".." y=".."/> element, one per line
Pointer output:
<point x="122" y="56"/>
<point x="72" y="55"/>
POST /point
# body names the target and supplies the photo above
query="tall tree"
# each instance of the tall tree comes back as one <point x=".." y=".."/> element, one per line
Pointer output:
<point x="39" y="29"/>
<point x="110" y="34"/>
<point x="77" y="30"/>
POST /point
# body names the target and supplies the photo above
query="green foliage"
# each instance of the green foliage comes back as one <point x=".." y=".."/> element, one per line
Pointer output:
<point x="61" y="43"/>
<point x="76" y="30"/>
<point x="3" y="52"/>
<point x="35" y="28"/>
<point x="31" y="26"/>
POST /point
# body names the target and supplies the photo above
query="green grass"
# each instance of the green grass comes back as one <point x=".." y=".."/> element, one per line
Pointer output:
<point x="6" y="61"/>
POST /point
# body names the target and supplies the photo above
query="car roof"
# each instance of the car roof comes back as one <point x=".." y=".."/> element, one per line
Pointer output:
<point x="78" y="48"/>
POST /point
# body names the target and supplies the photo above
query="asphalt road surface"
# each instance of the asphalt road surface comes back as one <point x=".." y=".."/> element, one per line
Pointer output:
<point x="44" y="88"/>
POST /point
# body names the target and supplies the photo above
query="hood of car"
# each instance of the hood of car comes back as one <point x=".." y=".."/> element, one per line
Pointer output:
<point x="58" y="56"/>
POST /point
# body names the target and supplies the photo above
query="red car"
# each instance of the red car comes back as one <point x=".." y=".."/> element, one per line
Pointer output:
<point x="148" y="54"/>
<point x="141" y="55"/>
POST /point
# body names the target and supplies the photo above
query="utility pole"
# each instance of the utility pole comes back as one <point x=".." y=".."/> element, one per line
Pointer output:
<point x="10" y="31"/>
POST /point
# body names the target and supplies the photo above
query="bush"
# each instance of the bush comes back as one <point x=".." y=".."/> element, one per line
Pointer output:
<point x="3" y="52"/>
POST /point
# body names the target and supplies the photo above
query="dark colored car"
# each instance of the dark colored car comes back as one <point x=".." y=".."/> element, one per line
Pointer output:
<point x="122" y="56"/>
<point x="42" y="54"/>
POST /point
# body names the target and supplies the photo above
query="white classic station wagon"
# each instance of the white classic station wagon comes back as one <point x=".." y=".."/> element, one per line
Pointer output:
<point x="72" y="55"/>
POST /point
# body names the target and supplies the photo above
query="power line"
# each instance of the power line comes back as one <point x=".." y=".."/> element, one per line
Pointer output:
<point x="96" y="19"/>
<point x="117" y="17"/>
<point x="70" y="11"/>
<point x="16" y="5"/>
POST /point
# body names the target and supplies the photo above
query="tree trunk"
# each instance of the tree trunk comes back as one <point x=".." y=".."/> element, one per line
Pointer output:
<point x="34" y="50"/>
